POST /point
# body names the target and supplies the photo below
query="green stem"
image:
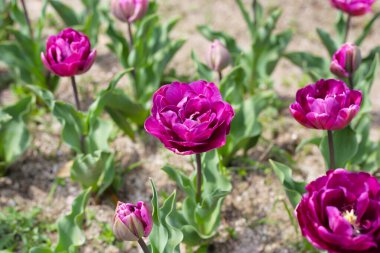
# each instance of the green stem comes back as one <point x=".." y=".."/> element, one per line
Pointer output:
<point x="131" y="45"/>
<point x="77" y="104"/>
<point x="143" y="246"/>
<point x="27" y="18"/>
<point x="220" y="76"/>
<point x="351" y="81"/>
<point x="348" y="25"/>
<point x="331" y="149"/>
<point x="254" y="5"/>
<point x="199" y="178"/>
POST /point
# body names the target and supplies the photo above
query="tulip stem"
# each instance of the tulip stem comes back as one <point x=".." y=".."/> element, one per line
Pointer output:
<point x="254" y="6"/>
<point x="351" y="81"/>
<point x="131" y="44"/>
<point x="348" y="25"/>
<point x="27" y="18"/>
<point x="77" y="104"/>
<point x="143" y="245"/>
<point x="199" y="178"/>
<point x="76" y="96"/>
<point x="331" y="149"/>
<point x="220" y="75"/>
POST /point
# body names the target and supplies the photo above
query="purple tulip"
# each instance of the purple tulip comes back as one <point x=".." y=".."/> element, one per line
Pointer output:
<point x="353" y="7"/>
<point x="132" y="222"/>
<point x="346" y="60"/>
<point x="327" y="104"/>
<point x="340" y="212"/>
<point x="218" y="56"/>
<point x="68" y="53"/>
<point x="129" y="10"/>
<point x="190" y="118"/>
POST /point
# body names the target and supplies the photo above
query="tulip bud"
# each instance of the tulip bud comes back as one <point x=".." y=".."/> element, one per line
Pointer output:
<point x="132" y="222"/>
<point x="129" y="10"/>
<point x="218" y="56"/>
<point x="346" y="60"/>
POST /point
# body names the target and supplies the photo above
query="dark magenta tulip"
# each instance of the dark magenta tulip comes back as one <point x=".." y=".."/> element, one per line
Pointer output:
<point x="132" y="222"/>
<point x="346" y="60"/>
<point x="340" y="212"/>
<point x="353" y="7"/>
<point x="190" y="118"/>
<point x="327" y="105"/>
<point x="68" y="53"/>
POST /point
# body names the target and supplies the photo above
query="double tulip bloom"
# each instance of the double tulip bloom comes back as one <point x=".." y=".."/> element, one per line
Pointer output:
<point x="353" y="7"/>
<point x="346" y="60"/>
<point x="190" y="118"/>
<point x="218" y="56"/>
<point x="68" y="53"/>
<point x="327" y="105"/>
<point x="129" y="10"/>
<point x="340" y="212"/>
<point x="132" y="222"/>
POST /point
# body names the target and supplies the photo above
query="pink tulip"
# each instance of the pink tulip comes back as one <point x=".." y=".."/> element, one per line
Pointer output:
<point x="129" y="10"/>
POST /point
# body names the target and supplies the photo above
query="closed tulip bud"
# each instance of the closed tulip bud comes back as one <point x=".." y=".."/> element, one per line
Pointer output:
<point x="218" y="56"/>
<point x="353" y="7"/>
<point x="132" y="222"/>
<point x="68" y="53"/>
<point x="346" y="60"/>
<point x="129" y="10"/>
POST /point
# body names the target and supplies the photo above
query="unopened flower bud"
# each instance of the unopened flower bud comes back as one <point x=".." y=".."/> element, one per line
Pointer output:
<point x="132" y="222"/>
<point x="129" y="10"/>
<point x="218" y="56"/>
<point x="346" y="60"/>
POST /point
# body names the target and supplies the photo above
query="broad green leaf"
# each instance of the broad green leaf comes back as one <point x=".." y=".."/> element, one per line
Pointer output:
<point x="345" y="147"/>
<point x="293" y="189"/>
<point x="94" y="170"/>
<point x="327" y="41"/>
<point x="164" y="238"/>
<point x="202" y="70"/>
<point x="66" y="13"/>
<point x="73" y="125"/>
<point x="315" y="66"/>
<point x="70" y="234"/>
<point x="41" y="250"/>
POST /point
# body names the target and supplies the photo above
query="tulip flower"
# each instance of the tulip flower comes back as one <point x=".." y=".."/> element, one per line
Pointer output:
<point x="129" y="10"/>
<point x="340" y="213"/>
<point x="353" y="7"/>
<point x="132" y="222"/>
<point x="346" y="61"/>
<point x="218" y="57"/>
<point x="190" y="119"/>
<point x="326" y="105"/>
<point x="68" y="54"/>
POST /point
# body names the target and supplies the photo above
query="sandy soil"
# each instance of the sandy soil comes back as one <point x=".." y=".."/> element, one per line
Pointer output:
<point x="254" y="208"/>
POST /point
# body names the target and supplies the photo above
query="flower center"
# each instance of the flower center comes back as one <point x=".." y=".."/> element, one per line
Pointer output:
<point x="351" y="217"/>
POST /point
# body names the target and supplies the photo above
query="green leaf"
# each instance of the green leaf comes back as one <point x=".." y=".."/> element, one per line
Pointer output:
<point x="340" y="26"/>
<point x="41" y="250"/>
<point x="164" y="238"/>
<point x="367" y="29"/>
<point x="73" y="124"/>
<point x="329" y="43"/>
<point x="345" y="147"/>
<point x="14" y="135"/>
<point x="70" y="234"/>
<point x="246" y="16"/>
<point x="202" y="70"/>
<point x="67" y="14"/>
<point x="293" y="189"/>
<point x="316" y="67"/>
<point x="96" y="170"/>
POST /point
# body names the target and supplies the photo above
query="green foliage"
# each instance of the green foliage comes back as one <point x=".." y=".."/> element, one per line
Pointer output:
<point x="345" y="147"/>
<point x="20" y="231"/>
<point x="94" y="170"/>
<point x="245" y="127"/>
<point x="293" y="189"/>
<point x="151" y="53"/>
<point x="70" y="234"/>
<point x="87" y="21"/>
<point x="22" y="54"/>
<point x="14" y="135"/>
<point x="199" y="221"/>
<point x="266" y="49"/>
<point x="164" y="238"/>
